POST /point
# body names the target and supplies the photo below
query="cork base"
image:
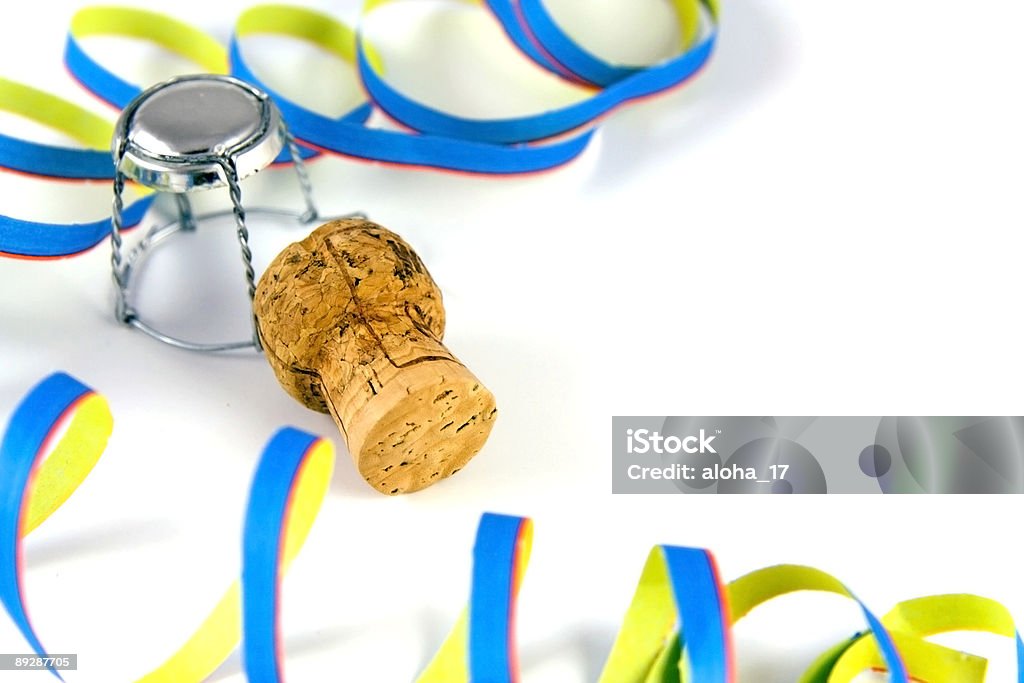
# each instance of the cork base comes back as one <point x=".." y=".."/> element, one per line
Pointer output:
<point x="425" y="426"/>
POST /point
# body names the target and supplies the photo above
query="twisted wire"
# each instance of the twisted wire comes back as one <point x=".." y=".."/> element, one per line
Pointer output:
<point x="303" y="173"/>
<point x="116" y="244"/>
<point x="238" y="210"/>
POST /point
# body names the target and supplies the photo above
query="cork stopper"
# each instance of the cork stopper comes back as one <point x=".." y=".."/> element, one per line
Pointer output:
<point x="352" y="324"/>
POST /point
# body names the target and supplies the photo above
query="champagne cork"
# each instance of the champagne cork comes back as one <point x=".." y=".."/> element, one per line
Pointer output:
<point x="352" y="324"/>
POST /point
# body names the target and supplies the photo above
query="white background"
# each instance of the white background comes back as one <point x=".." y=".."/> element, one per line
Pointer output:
<point x="827" y="222"/>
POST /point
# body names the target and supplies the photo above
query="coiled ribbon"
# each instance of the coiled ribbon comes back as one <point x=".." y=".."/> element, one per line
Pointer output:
<point x="677" y="628"/>
<point x="436" y="139"/>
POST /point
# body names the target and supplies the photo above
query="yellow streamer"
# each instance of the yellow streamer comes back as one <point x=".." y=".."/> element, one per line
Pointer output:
<point x="173" y="35"/>
<point x="71" y="460"/>
<point x="88" y="128"/>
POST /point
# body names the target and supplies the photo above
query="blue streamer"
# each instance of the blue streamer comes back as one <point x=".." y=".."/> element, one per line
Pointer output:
<point x="440" y="140"/>
<point x="31" y="239"/>
<point x="96" y="78"/>
<point x="491" y="599"/>
<point x="112" y="89"/>
<point x="564" y="49"/>
<point x="897" y="669"/>
<point x="539" y="126"/>
<point x="264" y="522"/>
<point x="348" y="136"/>
<point x="27" y="432"/>
<point x="505" y="13"/>
<point x="51" y="161"/>
<point x="702" y="616"/>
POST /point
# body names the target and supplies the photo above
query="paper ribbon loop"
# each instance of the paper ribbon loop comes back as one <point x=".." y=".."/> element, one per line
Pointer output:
<point x="679" y="599"/>
<point x="758" y="587"/>
<point x="912" y="621"/>
<point x="173" y="35"/>
<point x="287" y="490"/>
<point x="52" y="161"/>
<point x="349" y="137"/>
<point x="295" y="467"/>
<point x="500" y="557"/>
<point x="31" y="488"/>
<point x="628" y="84"/>
<point x="22" y="238"/>
<point x="440" y="140"/>
<point x="530" y="25"/>
<point x="481" y="646"/>
<point x="38" y="241"/>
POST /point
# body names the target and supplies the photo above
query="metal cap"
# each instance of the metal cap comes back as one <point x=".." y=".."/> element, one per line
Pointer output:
<point x="176" y="135"/>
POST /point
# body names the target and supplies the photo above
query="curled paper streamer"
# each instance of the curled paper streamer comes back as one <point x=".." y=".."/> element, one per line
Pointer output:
<point x="346" y="136"/>
<point x="31" y="488"/>
<point x="679" y="598"/>
<point x="522" y="21"/>
<point x="487" y="652"/>
<point x="173" y="35"/>
<point x="304" y="464"/>
<point x="91" y="130"/>
<point x="285" y="498"/>
<point x="435" y="139"/>
<point x="21" y="238"/>
<point x="169" y="33"/>
<point x="52" y="481"/>
<point x="677" y="628"/>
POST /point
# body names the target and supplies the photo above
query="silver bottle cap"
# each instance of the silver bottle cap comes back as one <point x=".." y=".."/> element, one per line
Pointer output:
<point x="177" y="135"/>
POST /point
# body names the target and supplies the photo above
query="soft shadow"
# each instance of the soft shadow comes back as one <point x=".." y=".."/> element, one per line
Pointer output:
<point x="126" y="534"/>
<point x="433" y="625"/>
<point x="751" y="59"/>
<point x="295" y="646"/>
<point x="589" y="648"/>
